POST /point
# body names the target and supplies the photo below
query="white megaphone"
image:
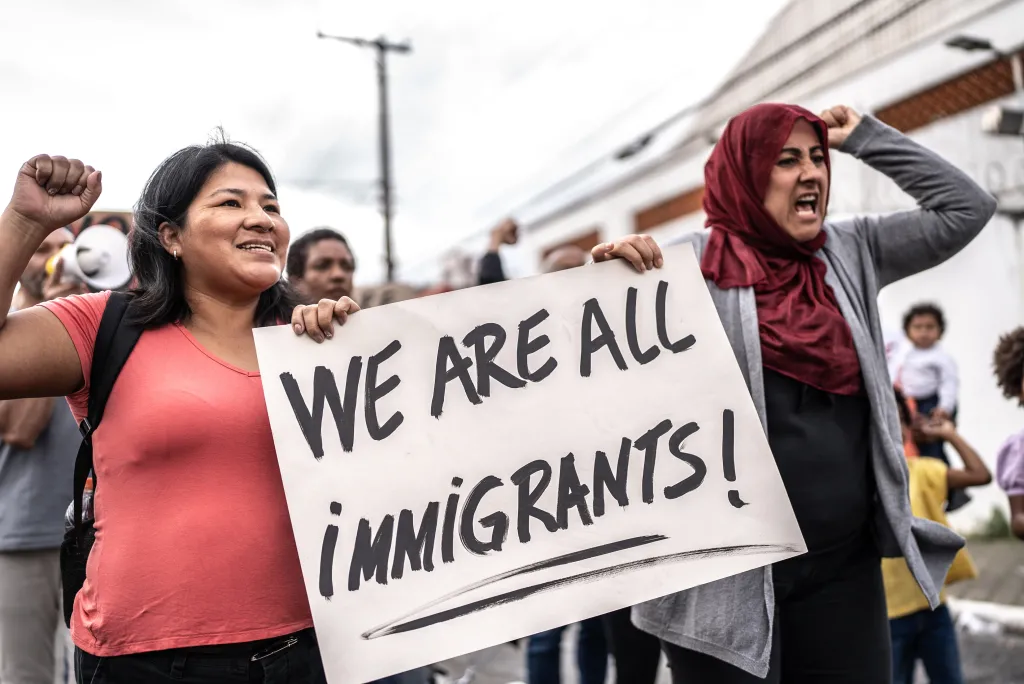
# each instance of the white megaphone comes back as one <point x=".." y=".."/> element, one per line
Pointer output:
<point x="98" y="257"/>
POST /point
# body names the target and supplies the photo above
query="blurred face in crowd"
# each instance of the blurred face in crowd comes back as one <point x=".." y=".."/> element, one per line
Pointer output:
<point x="798" y="187"/>
<point x="923" y="331"/>
<point x="328" y="271"/>
<point x="565" y="258"/>
<point x="34" y="276"/>
<point x="234" y="241"/>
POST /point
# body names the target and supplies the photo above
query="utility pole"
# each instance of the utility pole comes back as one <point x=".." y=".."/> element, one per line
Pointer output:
<point x="382" y="47"/>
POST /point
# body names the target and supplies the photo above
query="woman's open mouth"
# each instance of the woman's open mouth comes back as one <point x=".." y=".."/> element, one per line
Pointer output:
<point x="807" y="205"/>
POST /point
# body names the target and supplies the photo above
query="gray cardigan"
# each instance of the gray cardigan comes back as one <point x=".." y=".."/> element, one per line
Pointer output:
<point x="732" y="619"/>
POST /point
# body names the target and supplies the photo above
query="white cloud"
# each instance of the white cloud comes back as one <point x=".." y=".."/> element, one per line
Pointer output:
<point x="495" y="102"/>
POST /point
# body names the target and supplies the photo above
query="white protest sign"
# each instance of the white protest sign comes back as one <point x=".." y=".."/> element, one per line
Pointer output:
<point x="470" y="468"/>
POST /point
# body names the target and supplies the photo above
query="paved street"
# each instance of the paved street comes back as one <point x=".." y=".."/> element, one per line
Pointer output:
<point x="990" y="655"/>
<point x="987" y="659"/>
<point x="991" y="659"/>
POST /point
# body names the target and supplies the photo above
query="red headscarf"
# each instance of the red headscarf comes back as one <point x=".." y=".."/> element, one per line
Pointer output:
<point x="803" y="334"/>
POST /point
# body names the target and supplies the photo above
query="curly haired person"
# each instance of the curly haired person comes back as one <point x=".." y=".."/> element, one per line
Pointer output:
<point x="1008" y="364"/>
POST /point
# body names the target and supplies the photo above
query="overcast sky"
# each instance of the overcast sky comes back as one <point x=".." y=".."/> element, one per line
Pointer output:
<point x="496" y="102"/>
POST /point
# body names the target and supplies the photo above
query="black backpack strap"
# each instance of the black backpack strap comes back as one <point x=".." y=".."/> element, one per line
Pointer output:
<point x="115" y="340"/>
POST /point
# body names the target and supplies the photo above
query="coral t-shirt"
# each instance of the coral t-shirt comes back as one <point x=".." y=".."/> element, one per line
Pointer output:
<point x="193" y="541"/>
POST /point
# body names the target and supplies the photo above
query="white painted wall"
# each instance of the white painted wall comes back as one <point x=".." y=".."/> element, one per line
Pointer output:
<point x="980" y="289"/>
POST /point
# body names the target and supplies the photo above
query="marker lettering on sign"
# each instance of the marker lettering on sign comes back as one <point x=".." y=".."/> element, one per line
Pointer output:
<point x="574" y="505"/>
<point x="529" y="496"/>
<point x="649" y="445"/>
<point x="486" y="368"/>
<point x="325" y="389"/>
<point x="571" y="494"/>
<point x="661" y="306"/>
<point x="497" y="522"/>
<point x="700" y="469"/>
<point x="474" y="498"/>
<point x="451" y="365"/>
<point x="528" y="346"/>
<point x="415" y="545"/>
<point x="448" y="531"/>
<point x="485" y="342"/>
<point x="375" y="393"/>
<point x="589" y="344"/>
<point x="652" y="352"/>
<point x="729" y="456"/>
<point x="370" y="558"/>
<point x="593" y="315"/>
<point x="615" y="484"/>
<point x="327" y="555"/>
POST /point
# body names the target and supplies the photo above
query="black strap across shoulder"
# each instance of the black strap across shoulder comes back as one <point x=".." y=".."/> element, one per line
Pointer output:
<point x="115" y="340"/>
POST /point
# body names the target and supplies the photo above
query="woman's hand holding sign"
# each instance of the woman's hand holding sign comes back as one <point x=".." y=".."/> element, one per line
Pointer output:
<point x="640" y="250"/>
<point x="317" y="320"/>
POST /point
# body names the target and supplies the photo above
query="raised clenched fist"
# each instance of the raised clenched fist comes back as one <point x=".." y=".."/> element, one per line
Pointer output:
<point x="505" y="233"/>
<point x="841" y="120"/>
<point x="52" y="192"/>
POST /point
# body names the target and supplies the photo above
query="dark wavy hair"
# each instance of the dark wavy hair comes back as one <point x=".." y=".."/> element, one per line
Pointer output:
<point x="159" y="292"/>
<point x="1008" y="364"/>
<point x="926" y="309"/>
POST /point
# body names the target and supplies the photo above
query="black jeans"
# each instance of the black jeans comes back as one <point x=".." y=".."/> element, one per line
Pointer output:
<point x="831" y="626"/>
<point x="636" y="653"/>
<point x="294" y="659"/>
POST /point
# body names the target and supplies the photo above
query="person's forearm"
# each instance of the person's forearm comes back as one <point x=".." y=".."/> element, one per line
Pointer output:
<point x="1017" y="525"/>
<point x="972" y="461"/>
<point x="24" y="420"/>
<point x="19" y="240"/>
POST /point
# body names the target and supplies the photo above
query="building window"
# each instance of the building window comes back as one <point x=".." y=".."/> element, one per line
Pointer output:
<point x="680" y="205"/>
<point x="968" y="90"/>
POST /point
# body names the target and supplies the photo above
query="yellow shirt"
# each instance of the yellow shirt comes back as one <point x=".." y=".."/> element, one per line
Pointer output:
<point x="928" y="493"/>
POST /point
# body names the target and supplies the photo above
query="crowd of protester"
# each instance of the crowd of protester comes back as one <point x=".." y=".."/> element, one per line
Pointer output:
<point x="859" y="424"/>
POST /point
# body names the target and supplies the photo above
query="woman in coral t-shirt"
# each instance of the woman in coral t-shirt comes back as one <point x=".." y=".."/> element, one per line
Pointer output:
<point x="194" y="575"/>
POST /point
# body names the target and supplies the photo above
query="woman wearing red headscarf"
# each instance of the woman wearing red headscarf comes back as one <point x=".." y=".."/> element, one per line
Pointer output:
<point x="797" y="297"/>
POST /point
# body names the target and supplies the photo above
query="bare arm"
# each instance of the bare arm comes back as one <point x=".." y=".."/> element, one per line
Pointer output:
<point x="974" y="473"/>
<point x="23" y="420"/>
<point x="37" y="356"/>
<point x="1017" y="515"/>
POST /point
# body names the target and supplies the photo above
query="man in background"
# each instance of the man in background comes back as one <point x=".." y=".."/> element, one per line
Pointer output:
<point x="321" y="265"/>
<point x="38" y="443"/>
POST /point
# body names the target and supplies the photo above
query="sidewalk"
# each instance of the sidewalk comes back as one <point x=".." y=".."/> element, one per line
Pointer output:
<point x="1000" y="573"/>
<point x="989" y="610"/>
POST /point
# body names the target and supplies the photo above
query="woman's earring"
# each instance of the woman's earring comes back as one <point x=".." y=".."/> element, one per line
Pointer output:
<point x="175" y="254"/>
